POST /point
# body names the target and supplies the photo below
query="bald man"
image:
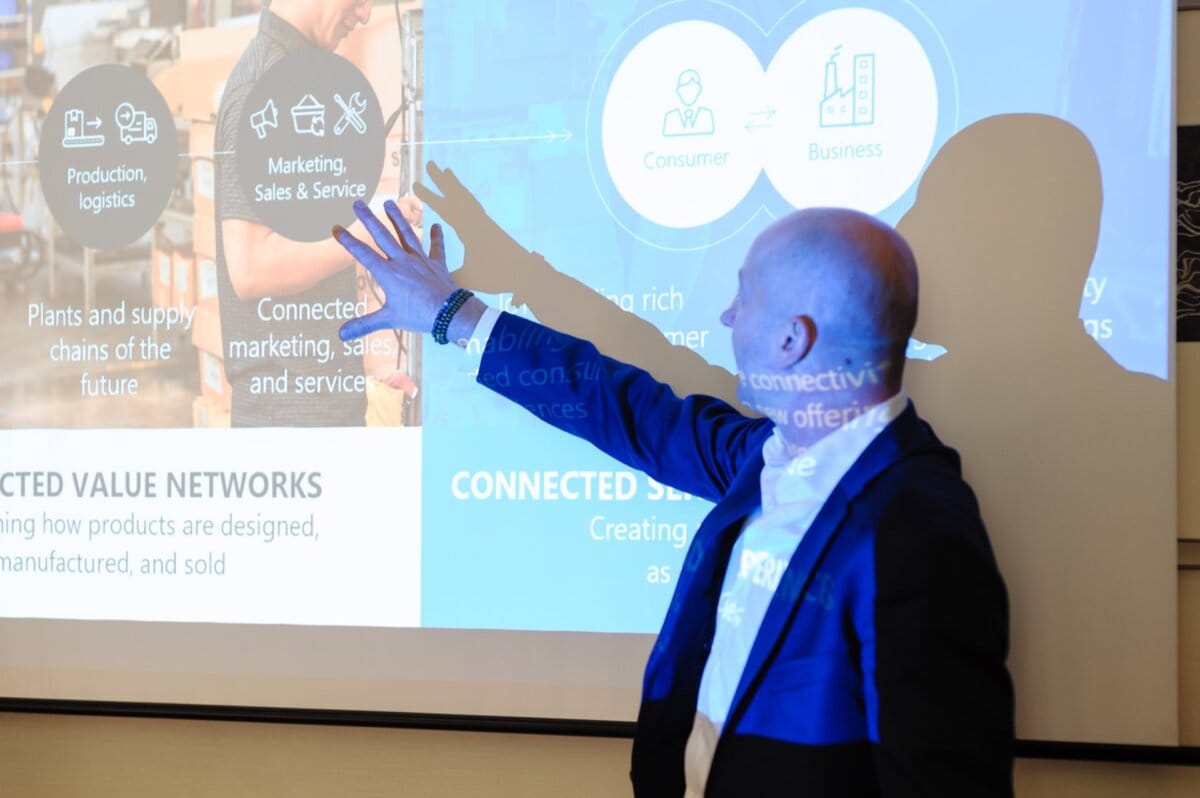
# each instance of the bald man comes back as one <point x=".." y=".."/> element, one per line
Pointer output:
<point x="839" y="627"/>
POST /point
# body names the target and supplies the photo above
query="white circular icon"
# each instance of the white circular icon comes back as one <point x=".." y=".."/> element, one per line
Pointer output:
<point x="108" y="156"/>
<point x="845" y="115"/>
<point x="673" y="128"/>
<point x="857" y="112"/>
<point x="125" y="114"/>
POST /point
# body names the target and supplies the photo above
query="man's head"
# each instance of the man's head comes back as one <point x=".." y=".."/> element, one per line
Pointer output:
<point x="822" y="292"/>
<point x="995" y="296"/>
<point x="688" y="86"/>
<point x="324" y="22"/>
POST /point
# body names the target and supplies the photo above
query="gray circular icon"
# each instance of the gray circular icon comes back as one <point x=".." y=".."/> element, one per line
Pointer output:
<point x="310" y="142"/>
<point x="108" y="156"/>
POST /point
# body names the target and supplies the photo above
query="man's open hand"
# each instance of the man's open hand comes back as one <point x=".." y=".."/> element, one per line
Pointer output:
<point x="415" y="284"/>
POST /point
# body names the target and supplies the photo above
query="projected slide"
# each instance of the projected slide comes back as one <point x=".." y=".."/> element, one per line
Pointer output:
<point x="638" y="169"/>
<point x="172" y="277"/>
<point x="185" y="438"/>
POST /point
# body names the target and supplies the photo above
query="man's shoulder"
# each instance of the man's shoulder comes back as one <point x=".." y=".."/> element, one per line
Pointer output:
<point x="924" y="485"/>
<point x="260" y="55"/>
<point x="250" y="66"/>
<point x="242" y="78"/>
<point x="920" y="511"/>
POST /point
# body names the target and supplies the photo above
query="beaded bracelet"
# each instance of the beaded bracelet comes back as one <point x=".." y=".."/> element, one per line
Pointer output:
<point x="452" y="305"/>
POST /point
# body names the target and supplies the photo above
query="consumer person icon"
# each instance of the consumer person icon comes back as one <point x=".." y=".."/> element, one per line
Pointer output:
<point x="691" y="119"/>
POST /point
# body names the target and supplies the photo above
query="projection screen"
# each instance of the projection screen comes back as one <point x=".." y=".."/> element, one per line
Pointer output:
<point x="207" y="498"/>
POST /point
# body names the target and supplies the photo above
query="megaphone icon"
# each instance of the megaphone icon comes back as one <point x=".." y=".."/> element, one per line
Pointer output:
<point x="263" y="118"/>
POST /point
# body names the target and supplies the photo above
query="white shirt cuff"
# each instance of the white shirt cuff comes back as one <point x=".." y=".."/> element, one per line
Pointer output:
<point x="483" y="330"/>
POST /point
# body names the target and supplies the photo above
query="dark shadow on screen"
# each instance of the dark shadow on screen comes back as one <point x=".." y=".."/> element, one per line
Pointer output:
<point x="494" y="263"/>
<point x="1053" y="432"/>
<point x="1004" y="228"/>
<point x="1064" y="447"/>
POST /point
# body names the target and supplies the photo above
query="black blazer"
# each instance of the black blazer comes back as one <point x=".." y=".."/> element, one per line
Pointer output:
<point x="879" y="668"/>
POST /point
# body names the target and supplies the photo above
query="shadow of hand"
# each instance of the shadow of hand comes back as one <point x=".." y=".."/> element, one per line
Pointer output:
<point x="494" y="263"/>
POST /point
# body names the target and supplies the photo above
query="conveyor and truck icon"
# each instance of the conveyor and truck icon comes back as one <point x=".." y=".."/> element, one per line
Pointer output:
<point x="135" y="125"/>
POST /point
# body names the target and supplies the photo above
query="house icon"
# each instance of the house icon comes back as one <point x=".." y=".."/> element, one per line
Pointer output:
<point x="308" y="116"/>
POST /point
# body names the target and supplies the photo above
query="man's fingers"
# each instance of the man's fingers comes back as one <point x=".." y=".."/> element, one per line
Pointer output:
<point x="435" y="201"/>
<point x="447" y="183"/>
<point x="458" y="194"/>
<point x="363" y="325"/>
<point x="442" y="178"/>
<point x="454" y="194"/>
<point x="435" y="173"/>
<point x="403" y="229"/>
<point x="412" y="209"/>
<point x="382" y="236"/>
<point x="437" y="245"/>
<point x="361" y="252"/>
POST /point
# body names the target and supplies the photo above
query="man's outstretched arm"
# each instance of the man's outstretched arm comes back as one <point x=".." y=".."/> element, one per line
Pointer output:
<point x="695" y="444"/>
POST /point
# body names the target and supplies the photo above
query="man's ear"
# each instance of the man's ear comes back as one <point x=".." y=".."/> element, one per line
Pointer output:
<point x="795" y="341"/>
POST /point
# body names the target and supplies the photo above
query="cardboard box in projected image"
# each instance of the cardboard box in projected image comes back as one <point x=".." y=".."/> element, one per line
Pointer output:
<point x="161" y="271"/>
<point x="206" y="337"/>
<point x="183" y="278"/>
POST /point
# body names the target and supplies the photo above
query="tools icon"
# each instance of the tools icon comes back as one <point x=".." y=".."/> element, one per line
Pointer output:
<point x="308" y="117"/>
<point x="263" y="118"/>
<point x="135" y="125"/>
<point x="75" y="130"/>
<point x="352" y="112"/>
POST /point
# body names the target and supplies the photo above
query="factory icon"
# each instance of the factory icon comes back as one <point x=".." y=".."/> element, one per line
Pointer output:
<point x="854" y="105"/>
